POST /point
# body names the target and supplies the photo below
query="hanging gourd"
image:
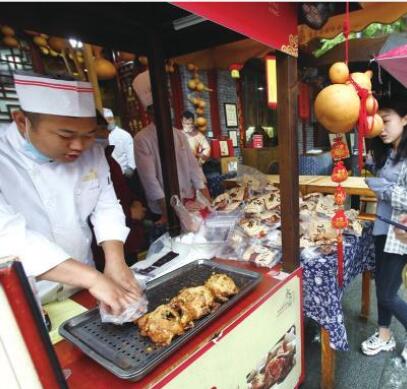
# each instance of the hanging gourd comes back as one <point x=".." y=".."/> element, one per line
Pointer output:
<point x="40" y="41"/>
<point x="375" y="126"/>
<point x="57" y="44"/>
<point x="337" y="108"/>
<point x="104" y="69"/>
<point x="372" y="105"/>
<point x="7" y="31"/>
<point x="339" y="73"/>
<point x="10" y="41"/>
<point x="143" y="60"/>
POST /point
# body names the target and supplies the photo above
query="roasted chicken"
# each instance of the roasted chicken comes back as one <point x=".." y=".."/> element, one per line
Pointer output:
<point x="161" y="325"/>
<point x="194" y="302"/>
<point x="221" y="286"/>
<point x="172" y="319"/>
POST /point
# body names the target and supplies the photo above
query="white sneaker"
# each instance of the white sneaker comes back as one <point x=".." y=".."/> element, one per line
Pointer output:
<point x="404" y="353"/>
<point x="375" y="345"/>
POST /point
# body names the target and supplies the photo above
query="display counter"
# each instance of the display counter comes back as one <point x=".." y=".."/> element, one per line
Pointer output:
<point x="263" y="332"/>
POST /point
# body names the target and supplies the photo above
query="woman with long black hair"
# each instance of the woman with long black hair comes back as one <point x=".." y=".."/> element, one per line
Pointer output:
<point x="390" y="186"/>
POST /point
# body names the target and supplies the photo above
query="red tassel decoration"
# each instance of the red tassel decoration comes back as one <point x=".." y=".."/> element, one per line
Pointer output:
<point x="339" y="240"/>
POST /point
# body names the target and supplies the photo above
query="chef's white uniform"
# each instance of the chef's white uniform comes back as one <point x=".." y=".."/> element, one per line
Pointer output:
<point x="45" y="206"/>
<point x="123" y="151"/>
<point x="148" y="161"/>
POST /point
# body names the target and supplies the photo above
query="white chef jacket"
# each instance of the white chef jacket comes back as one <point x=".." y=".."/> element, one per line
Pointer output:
<point x="123" y="151"/>
<point x="45" y="206"/>
<point x="148" y="161"/>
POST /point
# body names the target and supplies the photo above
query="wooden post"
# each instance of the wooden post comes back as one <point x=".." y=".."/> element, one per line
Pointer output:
<point x="365" y="309"/>
<point x="327" y="362"/>
<point x="92" y="77"/>
<point x="288" y="154"/>
<point x="162" y="119"/>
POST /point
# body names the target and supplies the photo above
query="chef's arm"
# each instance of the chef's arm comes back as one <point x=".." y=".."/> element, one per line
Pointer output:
<point x="116" y="267"/>
<point x="115" y="297"/>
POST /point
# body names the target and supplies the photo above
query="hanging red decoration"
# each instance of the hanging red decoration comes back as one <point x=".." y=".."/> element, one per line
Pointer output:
<point x="339" y="173"/>
<point x="339" y="150"/>
<point x="340" y="195"/>
<point x="340" y="220"/>
<point x="303" y="102"/>
<point x="235" y="70"/>
<point x="339" y="244"/>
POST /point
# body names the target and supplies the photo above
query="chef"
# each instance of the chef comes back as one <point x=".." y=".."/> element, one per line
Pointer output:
<point x="197" y="141"/>
<point x="148" y="161"/>
<point x="54" y="183"/>
<point x="122" y="141"/>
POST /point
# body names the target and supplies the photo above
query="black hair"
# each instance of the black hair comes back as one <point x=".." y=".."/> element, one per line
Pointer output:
<point x="188" y="115"/>
<point x="380" y="150"/>
<point x="33" y="117"/>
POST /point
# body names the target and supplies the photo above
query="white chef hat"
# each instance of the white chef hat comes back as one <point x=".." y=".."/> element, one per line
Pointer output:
<point x="142" y="87"/>
<point x="52" y="96"/>
<point x="107" y="113"/>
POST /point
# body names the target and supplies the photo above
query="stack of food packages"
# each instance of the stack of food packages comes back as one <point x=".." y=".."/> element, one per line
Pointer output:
<point x="256" y="236"/>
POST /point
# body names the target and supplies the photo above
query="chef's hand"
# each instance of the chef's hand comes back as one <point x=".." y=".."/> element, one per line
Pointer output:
<point x="112" y="296"/>
<point x="401" y="235"/>
<point x="122" y="275"/>
<point x="380" y="186"/>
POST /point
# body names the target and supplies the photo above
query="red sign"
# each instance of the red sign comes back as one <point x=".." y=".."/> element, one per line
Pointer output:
<point x="257" y="141"/>
<point x="273" y="24"/>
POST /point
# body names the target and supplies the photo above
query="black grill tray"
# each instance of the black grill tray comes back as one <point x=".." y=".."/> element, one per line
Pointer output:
<point x="127" y="354"/>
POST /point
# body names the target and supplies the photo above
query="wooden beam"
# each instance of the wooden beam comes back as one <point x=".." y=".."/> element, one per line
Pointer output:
<point x="92" y="77"/>
<point x="288" y="162"/>
<point x="163" y="122"/>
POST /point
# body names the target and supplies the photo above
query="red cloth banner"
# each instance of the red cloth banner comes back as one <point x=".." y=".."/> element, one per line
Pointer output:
<point x="177" y="98"/>
<point x="273" y="24"/>
<point x="214" y="103"/>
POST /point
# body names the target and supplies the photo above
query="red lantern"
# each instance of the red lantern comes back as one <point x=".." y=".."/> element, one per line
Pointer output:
<point x="339" y="220"/>
<point x="235" y="69"/>
<point x="339" y="150"/>
<point x="340" y="195"/>
<point x="339" y="173"/>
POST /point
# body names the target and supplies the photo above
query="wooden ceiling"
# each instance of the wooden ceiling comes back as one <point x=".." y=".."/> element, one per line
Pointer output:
<point x="120" y="25"/>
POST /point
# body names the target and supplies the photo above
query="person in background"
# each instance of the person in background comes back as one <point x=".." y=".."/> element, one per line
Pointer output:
<point x="389" y="153"/>
<point x="55" y="183"/>
<point x="122" y="141"/>
<point x="133" y="206"/>
<point x="197" y="141"/>
<point x="148" y="160"/>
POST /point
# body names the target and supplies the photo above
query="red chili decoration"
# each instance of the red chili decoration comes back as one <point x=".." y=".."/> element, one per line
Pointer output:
<point x="339" y="172"/>
<point x="340" y="195"/>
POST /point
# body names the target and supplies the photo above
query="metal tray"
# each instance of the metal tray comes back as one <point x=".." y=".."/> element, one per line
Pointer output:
<point x="127" y="354"/>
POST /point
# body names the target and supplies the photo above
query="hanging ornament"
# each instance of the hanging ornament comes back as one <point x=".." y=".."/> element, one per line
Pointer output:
<point x="235" y="70"/>
<point x="7" y="31"/>
<point x="375" y="126"/>
<point x="340" y="220"/>
<point x="339" y="149"/>
<point x="339" y="172"/>
<point x="340" y="195"/>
